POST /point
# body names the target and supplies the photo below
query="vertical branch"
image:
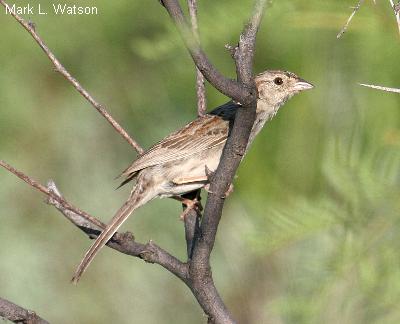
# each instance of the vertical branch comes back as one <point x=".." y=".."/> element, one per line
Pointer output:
<point x="192" y="222"/>
<point x="244" y="52"/>
<point x="202" y="285"/>
<point x="192" y="219"/>
<point x="200" y="86"/>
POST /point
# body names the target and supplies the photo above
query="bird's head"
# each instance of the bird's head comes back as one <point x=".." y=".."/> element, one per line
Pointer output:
<point x="276" y="87"/>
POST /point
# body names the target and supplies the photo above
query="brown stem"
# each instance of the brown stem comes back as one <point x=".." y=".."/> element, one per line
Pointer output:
<point x="30" y="28"/>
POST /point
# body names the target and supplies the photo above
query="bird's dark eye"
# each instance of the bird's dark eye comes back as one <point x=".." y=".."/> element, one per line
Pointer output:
<point x="278" y="81"/>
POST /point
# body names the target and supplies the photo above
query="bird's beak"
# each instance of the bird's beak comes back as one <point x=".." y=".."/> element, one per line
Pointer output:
<point x="301" y="85"/>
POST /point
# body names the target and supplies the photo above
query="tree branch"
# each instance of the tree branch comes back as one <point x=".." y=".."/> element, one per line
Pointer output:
<point x="30" y="28"/>
<point x="200" y="86"/>
<point x="228" y="87"/>
<point x="124" y="243"/>
<point x="201" y="281"/>
<point x="346" y="25"/>
<point x="17" y="314"/>
<point x="395" y="90"/>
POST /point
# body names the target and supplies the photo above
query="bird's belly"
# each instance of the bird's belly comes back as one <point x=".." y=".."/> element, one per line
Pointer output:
<point x="190" y="173"/>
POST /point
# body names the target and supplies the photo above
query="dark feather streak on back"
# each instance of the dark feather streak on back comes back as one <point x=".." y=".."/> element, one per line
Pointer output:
<point x="227" y="112"/>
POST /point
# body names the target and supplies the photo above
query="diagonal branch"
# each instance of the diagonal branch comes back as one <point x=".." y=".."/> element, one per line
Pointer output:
<point x="228" y="87"/>
<point x="346" y="25"/>
<point x="17" y="314"/>
<point x="395" y="90"/>
<point x="66" y="205"/>
<point x="124" y="243"/>
<point x="30" y="28"/>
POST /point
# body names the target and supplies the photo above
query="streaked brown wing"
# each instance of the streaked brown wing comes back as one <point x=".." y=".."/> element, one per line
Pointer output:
<point x="199" y="135"/>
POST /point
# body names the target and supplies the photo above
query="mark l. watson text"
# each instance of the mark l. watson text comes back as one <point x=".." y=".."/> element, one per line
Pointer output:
<point x="58" y="9"/>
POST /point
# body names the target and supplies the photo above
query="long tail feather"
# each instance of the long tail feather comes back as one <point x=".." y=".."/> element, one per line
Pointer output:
<point x="119" y="218"/>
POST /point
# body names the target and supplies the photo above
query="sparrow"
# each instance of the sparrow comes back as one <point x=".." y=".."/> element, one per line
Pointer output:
<point x="182" y="161"/>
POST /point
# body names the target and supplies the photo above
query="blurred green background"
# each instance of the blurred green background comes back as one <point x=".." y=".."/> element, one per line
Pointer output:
<point x="311" y="233"/>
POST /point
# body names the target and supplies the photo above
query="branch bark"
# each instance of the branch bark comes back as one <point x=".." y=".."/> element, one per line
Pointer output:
<point x="18" y="314"/>
<point x="200" y="86"/>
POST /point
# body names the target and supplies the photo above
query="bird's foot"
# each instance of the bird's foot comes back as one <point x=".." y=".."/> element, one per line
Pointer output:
<point x="191" y="204"/>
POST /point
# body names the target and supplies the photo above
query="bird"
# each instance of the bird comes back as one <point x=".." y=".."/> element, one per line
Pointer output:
<point x="181" y="162"/>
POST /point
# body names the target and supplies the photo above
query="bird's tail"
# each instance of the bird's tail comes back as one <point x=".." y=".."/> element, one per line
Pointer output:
<point x="119" y="218"/>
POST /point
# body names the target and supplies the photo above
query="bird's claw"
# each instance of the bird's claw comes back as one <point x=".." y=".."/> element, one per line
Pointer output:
<point x="194" y="204"/>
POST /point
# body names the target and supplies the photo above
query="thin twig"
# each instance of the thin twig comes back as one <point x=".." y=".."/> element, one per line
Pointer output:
<point x="344" y="29"/>
<point x="396" y="9"/>
<point x="51" y="194"/>
<point x="200" y="86"/>
<point x="18" y="314"/>
<point x="395" y="90"/>
<point x="30" y="28"/>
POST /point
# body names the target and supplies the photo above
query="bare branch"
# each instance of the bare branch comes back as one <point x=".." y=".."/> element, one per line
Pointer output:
<point x="230" y="88"/>
<point x="30" y="28"/>
<point x="395" y="90"/>
<point x="346" y="25"/>
<point x="396" y="9"/>
<point x="200" y="86"/>
<point x="244" y="52"/>
<point x="192" y="221"/>
<point x="17" y="314"/>
<point x="192" y="218"/>
<point x="51" y="194"/>
<point x="124" y="243"/>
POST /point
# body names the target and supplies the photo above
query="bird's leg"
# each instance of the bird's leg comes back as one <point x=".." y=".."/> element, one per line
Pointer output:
<point x="190" y="204"/>
<point x="209" y="175"/>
